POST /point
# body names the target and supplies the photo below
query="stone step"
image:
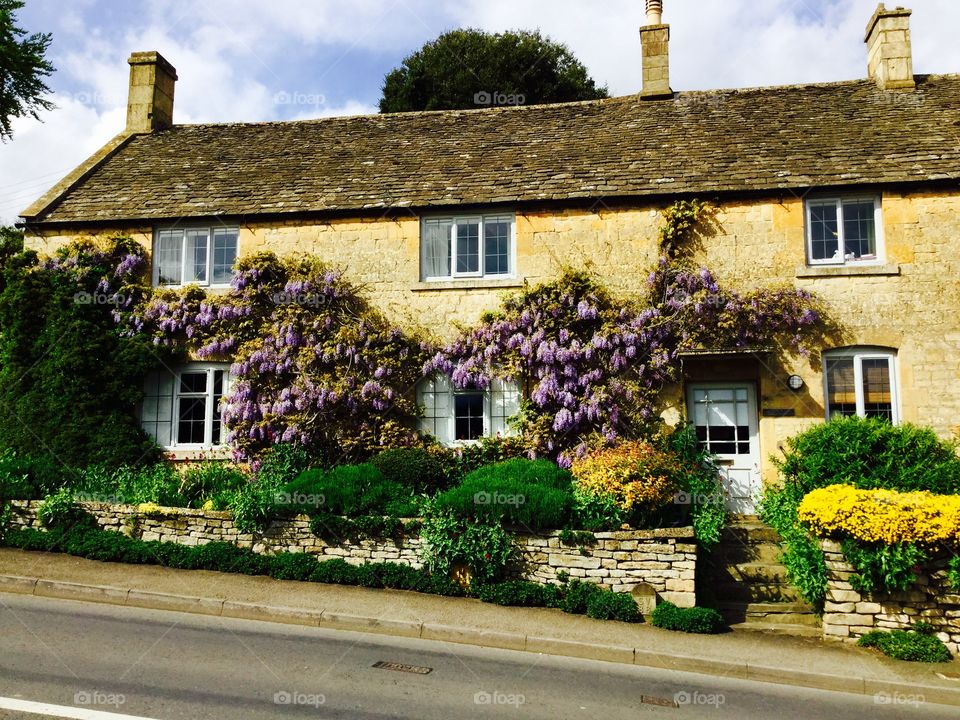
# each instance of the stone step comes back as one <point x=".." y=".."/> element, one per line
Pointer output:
<point x="727" y="553"/>
<point x="750" y="572"/>
<point x="747" y="534"/>
<point x="775" y="613"/>
<point x="756" y="592"/>
<point x="796" y="630"/>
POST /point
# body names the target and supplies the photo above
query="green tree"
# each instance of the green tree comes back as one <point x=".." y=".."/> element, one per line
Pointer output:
<point x="23" y="67"/>
<point x="465" y="69"/>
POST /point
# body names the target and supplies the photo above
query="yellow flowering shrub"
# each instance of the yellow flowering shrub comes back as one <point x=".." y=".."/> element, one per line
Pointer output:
<point x="882" y="516"/>
<point x="635" y="475"/>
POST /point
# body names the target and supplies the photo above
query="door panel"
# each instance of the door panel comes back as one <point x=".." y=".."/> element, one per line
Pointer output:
<point x="725" y="418"/>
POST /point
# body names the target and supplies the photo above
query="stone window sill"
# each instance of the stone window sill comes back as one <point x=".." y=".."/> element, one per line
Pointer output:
<point x="467" y="284"/>
<point x="819" y="271"/>
<point x="221" y="452"/>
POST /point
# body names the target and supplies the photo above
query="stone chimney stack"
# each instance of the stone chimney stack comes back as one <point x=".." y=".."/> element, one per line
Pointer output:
<point x="150" y="99"/>
<point x="655" y="43"/>
<point x="889" y="54"/>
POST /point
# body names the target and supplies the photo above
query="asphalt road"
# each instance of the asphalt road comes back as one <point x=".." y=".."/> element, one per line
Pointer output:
<point x="167" y="666"/>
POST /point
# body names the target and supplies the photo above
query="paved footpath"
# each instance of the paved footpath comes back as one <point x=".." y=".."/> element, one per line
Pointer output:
<point x="805" y="662"/>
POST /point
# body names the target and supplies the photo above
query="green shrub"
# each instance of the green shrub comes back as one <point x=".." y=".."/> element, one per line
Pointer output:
<point x="29" y="477"/>
<point x="519" y="593"/>
<point x="458" y="462"/>
<point x="595" y="512"/>
<point x="413" y="467"/>
<point x="690" y="620"/>
<point x="909" y="645"/>
<point x="59" y="510"/>
<point x="865" y="453"/>
<point x="871" y="454"/>
<point x="576" y="594"/>
<point x="158" y="483"/>
<point x="885" y="568"/>
<point x="607" y="605"/>
<point x="700" y="484"/>
<point x="254" y="506"/>
<point x="351" y="490"/>
<point x="206" y="480"/>
<point x="282" y="464"/>
<point x="292" y="566"/>
<point x="534" y="494"/>
<point x="522" y="471"/>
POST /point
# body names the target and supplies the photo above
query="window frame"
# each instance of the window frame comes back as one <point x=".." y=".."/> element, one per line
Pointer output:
<point x="858" y="355"/>
<point x="185" y="231"/>
<point x="481" y="219"/>
<point x="209" y="368"/>
<point x="839" y="200"/>
<point x="450" y="419"/>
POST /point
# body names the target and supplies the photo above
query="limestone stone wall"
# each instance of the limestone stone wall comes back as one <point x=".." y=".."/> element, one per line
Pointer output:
<point x="848" y="614"/>
<point x="664" y="559"/>
<point x="907" y="304"/>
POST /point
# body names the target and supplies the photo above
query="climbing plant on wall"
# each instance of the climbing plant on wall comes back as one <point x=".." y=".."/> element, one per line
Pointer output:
<point x="313" y="363"/>
<point x="594" y="365"/>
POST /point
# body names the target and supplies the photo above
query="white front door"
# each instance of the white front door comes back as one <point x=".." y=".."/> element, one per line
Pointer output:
<point x="725" y="417"/>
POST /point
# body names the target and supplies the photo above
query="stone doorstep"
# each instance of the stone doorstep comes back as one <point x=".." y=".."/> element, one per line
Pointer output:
<point x="445" y="633"/>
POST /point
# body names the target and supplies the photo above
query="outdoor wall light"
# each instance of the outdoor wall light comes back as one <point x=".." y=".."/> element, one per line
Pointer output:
<point x="795" y="382"/>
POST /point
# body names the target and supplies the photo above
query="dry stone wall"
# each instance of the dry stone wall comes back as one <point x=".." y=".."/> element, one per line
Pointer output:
<point x="848" y="614"/>
<point x="623" y="561"/>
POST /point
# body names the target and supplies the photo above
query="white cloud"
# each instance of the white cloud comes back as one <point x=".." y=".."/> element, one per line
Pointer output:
<point x="221" y="47"/>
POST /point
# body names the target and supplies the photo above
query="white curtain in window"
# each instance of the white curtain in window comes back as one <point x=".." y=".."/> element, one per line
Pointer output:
<point x="436" y="248"/>
<point x="434" y="395"/>
<point x="504" y="404"/>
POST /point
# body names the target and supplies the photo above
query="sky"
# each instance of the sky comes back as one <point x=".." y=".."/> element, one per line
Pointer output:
<point x="254" y="60"/>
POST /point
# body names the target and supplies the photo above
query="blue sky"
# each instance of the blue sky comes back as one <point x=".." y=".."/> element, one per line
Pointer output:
<point x="244" y="60"/>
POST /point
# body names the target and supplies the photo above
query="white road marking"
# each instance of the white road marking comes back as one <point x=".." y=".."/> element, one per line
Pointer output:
<point x="63" y="711"/>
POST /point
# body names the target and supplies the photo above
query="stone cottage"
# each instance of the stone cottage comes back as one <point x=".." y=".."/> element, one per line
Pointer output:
<point x="849" y="189"/>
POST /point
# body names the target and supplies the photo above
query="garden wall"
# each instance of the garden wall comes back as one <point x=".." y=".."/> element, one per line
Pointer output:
<point x="665" y="559"/>
<point x="849" y="614"/>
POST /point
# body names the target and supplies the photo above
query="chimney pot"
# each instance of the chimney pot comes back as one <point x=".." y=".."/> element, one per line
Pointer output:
<point x="150" y="98"/>
<point x="654" y="12"/>
<point x="889" y="50"/>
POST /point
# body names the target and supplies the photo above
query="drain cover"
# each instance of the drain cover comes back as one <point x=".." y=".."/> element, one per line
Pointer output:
<point x="400" y="667"/>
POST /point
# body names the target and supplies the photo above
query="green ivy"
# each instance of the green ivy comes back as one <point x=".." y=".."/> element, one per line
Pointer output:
<point x="953" y="573"/>
<point x="449" y="540"/>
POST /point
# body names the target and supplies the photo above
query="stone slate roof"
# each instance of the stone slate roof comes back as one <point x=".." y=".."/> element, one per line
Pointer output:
<point x="767" y="139"/>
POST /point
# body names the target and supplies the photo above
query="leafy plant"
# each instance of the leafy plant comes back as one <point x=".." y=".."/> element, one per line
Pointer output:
<point x="953" y="573"/>
<point x="60" y="511"/>
<point x="802" y="555"/>
<point x="580" y="538"/>
<point x="638" y="477"/>
<point x="351" y="490"/>
<point x="880" y="567"/>
<point x="909" y="645"/>
<point x="412" y="467"/>
<point x="607" y="605"/>
<point x="871" y="454"/>
<point x="526" y="493"/>
<point x="700" y="484"/>
<point x="448" y="540"/>
<point x="690" y="620"/>
<point x="457" y="462"/>
<point x="28" y="477"/>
